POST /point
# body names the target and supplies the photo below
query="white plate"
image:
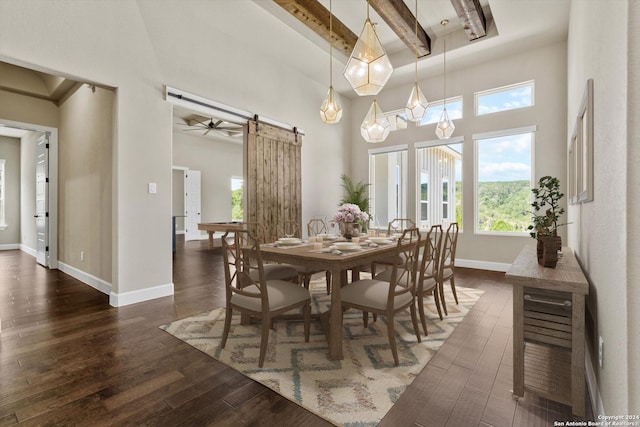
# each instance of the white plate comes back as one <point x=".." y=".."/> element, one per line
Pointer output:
<point x="289" y="241"/>
<point x="380" y="240"/>
<point x="347" y="246"/>
<point x="323" y="235"/>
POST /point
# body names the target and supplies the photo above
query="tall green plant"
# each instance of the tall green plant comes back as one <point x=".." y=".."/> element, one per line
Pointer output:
<point x="547" y="200"/>
<point x="356" y="193"/>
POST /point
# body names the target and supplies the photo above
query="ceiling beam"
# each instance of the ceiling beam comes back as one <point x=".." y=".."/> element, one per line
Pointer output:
<point x="471" y="17"/>
<point x="402" y="21"/>
<point x="315" y="16"/>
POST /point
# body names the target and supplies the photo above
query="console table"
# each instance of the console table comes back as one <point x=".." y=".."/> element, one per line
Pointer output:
<point x="548" y="328"/>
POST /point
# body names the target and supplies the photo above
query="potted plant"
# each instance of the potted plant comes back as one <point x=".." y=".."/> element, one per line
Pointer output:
<point x="545" y="220"/>
<point x="356" y="194"/>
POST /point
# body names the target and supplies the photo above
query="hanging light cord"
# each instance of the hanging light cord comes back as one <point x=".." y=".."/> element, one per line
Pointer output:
<point x="330" y="45"/>
<point x="444" y="57"/>
<point x="416" y="43"/>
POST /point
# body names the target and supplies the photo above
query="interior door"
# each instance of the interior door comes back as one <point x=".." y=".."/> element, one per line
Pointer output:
<point x="42" y="203"/>
<point x="192" y="205"/>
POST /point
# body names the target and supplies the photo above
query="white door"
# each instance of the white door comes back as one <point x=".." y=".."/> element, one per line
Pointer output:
<point x="42" y="205"/>
<point x="192" y="205"/>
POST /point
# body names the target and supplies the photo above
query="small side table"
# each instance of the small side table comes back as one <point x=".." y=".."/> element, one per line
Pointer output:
<point x="548" y="328"/>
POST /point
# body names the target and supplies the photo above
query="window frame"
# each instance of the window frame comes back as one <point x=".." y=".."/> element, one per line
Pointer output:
<point x="506" y="88"/>
<point x="403" y="186"/>
<point x="438" y="103"/>
<point x="423" y="172"/>
<point x="497" y="134"/>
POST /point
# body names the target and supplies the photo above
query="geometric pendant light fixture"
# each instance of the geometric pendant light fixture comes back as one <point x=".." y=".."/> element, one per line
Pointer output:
<point x="445" y="126"/>
<point x="330" y="110"/>
<point x="417" y="104"/>
<point x="368" y="68"/>
<point x="375" y="127"/>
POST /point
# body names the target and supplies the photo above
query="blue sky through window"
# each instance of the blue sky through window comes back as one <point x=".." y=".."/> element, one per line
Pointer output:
<point x="505" y="158"/>
<point x="511" y="98"/>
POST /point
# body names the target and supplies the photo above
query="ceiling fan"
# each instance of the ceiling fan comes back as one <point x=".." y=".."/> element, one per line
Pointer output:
<point x="225" y="128"/>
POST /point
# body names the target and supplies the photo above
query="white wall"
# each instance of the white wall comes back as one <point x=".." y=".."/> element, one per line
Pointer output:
<point x="137" y="48"/>
<point x="217" y="161"/>
<point x="10" y="152"/>
<point x="598" y="49"/>
<point x="547" y="67"/>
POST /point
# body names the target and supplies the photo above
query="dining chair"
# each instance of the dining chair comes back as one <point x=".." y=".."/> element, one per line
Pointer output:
<point x="317" y="226"/>
<point x="428" y="283"/>
<point x="277" y="271"/>
<point x="387" y="298"/>
<point x="252" y="294"/>
<point x="446" y="271"/>
<point x="395" y="226"/>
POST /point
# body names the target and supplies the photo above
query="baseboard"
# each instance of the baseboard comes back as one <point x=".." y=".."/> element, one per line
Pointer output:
<point x="9" y="247"/>
<point x="27" y="250"/>
<point x="133" y="297"/>
<point x="592" y="385"/>
<point x="91" y="280"/>
<point x="483" y="265"/>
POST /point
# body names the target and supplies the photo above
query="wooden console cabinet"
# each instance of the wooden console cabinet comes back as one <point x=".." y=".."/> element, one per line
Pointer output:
<point x="548" y="328"/>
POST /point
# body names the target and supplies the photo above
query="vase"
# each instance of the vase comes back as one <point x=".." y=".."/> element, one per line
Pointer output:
<point x="350" y="229"/>
<point x="547" y="250"/>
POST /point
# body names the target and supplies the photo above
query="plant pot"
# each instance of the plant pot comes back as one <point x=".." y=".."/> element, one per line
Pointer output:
<point x="350" y="229"/>
<point x="547" y="250"/>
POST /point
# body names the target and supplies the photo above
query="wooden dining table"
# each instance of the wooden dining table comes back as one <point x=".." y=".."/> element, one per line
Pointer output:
<point x="305" y="255"/>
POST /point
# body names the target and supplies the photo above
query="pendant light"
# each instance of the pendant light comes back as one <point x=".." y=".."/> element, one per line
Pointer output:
<point x="445" y="126"/>
<point x="368" y="68"/>
<point x="417" y="104"/>
<point x="375" y="127"/>
<point x="330" y="110"/>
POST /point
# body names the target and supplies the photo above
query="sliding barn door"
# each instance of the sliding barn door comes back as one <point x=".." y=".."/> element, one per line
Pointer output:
<point x="274" y="187"/>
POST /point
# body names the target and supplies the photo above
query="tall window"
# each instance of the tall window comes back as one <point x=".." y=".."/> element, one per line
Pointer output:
<point x="503" y="184"/>
<point x="237" y="210"/>
<point x="505" y="98"/>
<point x="3" y="222"/>
<point x="440" y="186"/>
<point x="388" y="178"/>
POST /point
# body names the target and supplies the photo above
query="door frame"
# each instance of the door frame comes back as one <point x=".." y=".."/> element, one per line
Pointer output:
<point x="52" y="193"/>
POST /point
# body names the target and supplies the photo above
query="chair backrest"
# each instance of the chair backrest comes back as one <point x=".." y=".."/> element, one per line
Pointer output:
<point x="432" y="246"/>
<point x="448" y="254"/>
<point x="288" y="228"/>
<point x="398" y="225"/>
<point x="316" y="226"/>
<point x="241" y="256"/>
<point x="405" y="272"/>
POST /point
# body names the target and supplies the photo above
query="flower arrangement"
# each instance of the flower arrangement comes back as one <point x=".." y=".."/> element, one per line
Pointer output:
<point x="350" y="212"/>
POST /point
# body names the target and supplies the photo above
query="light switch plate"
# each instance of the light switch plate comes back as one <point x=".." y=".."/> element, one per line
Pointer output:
<point x="153" y="188"/>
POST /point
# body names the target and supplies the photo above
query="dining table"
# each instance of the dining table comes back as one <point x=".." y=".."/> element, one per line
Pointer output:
<point x="338" y="262"/>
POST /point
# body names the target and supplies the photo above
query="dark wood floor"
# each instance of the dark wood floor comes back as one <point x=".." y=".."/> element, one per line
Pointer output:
<point x="68" y="358"/>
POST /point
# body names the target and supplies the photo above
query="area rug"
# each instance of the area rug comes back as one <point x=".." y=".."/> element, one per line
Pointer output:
<point x="356" y="391"/>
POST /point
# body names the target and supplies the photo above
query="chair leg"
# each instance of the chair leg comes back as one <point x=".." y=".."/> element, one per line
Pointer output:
<point x="414" y="320"/>
<point x="436" y="299"/>
<point x="307" y="321"/>
<point x="453" y="289"/>
<point x="227" y="326"/>
<point x="266" y="322"/>
<point x="307" y="280"/>
<point x="423" y="319"/>
<point x="328" y="276"/>
<point x="392" y="339"/>
<point x="442" y="300"/>
<point x="365" y="318"/>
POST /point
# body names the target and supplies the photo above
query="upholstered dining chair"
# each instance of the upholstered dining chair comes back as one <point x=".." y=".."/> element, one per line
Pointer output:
<point x="446" y="271"/>
<point x="257" y="297"/>
<point x="428" y="283"/>
<point x="317" y="226"/>
<point x="272" y="271"/>
<point x="395" y="226"/>
<point x="387" y="298"/>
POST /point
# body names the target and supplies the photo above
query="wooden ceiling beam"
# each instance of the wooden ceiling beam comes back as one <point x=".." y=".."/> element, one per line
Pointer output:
<point x="471" y="17"/>
<point x="402" y="21"/>
<point x="315" y="16"/>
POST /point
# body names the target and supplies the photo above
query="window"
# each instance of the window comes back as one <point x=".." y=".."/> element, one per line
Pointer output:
<point x="505" y="98"/>
<point x="388" y="177"/>
<point x="3" y="222"/>
<point x="237" y="210"/>
<point x="440" y="187"/>
<point x="434" y="110"/>
<point x="503" y="184"/>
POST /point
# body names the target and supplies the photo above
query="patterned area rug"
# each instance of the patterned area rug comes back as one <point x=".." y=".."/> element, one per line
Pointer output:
<point x="356" y="391"/>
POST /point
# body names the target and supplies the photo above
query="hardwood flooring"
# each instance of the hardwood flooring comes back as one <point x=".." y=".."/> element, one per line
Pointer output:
<point x="68" y="358"/>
